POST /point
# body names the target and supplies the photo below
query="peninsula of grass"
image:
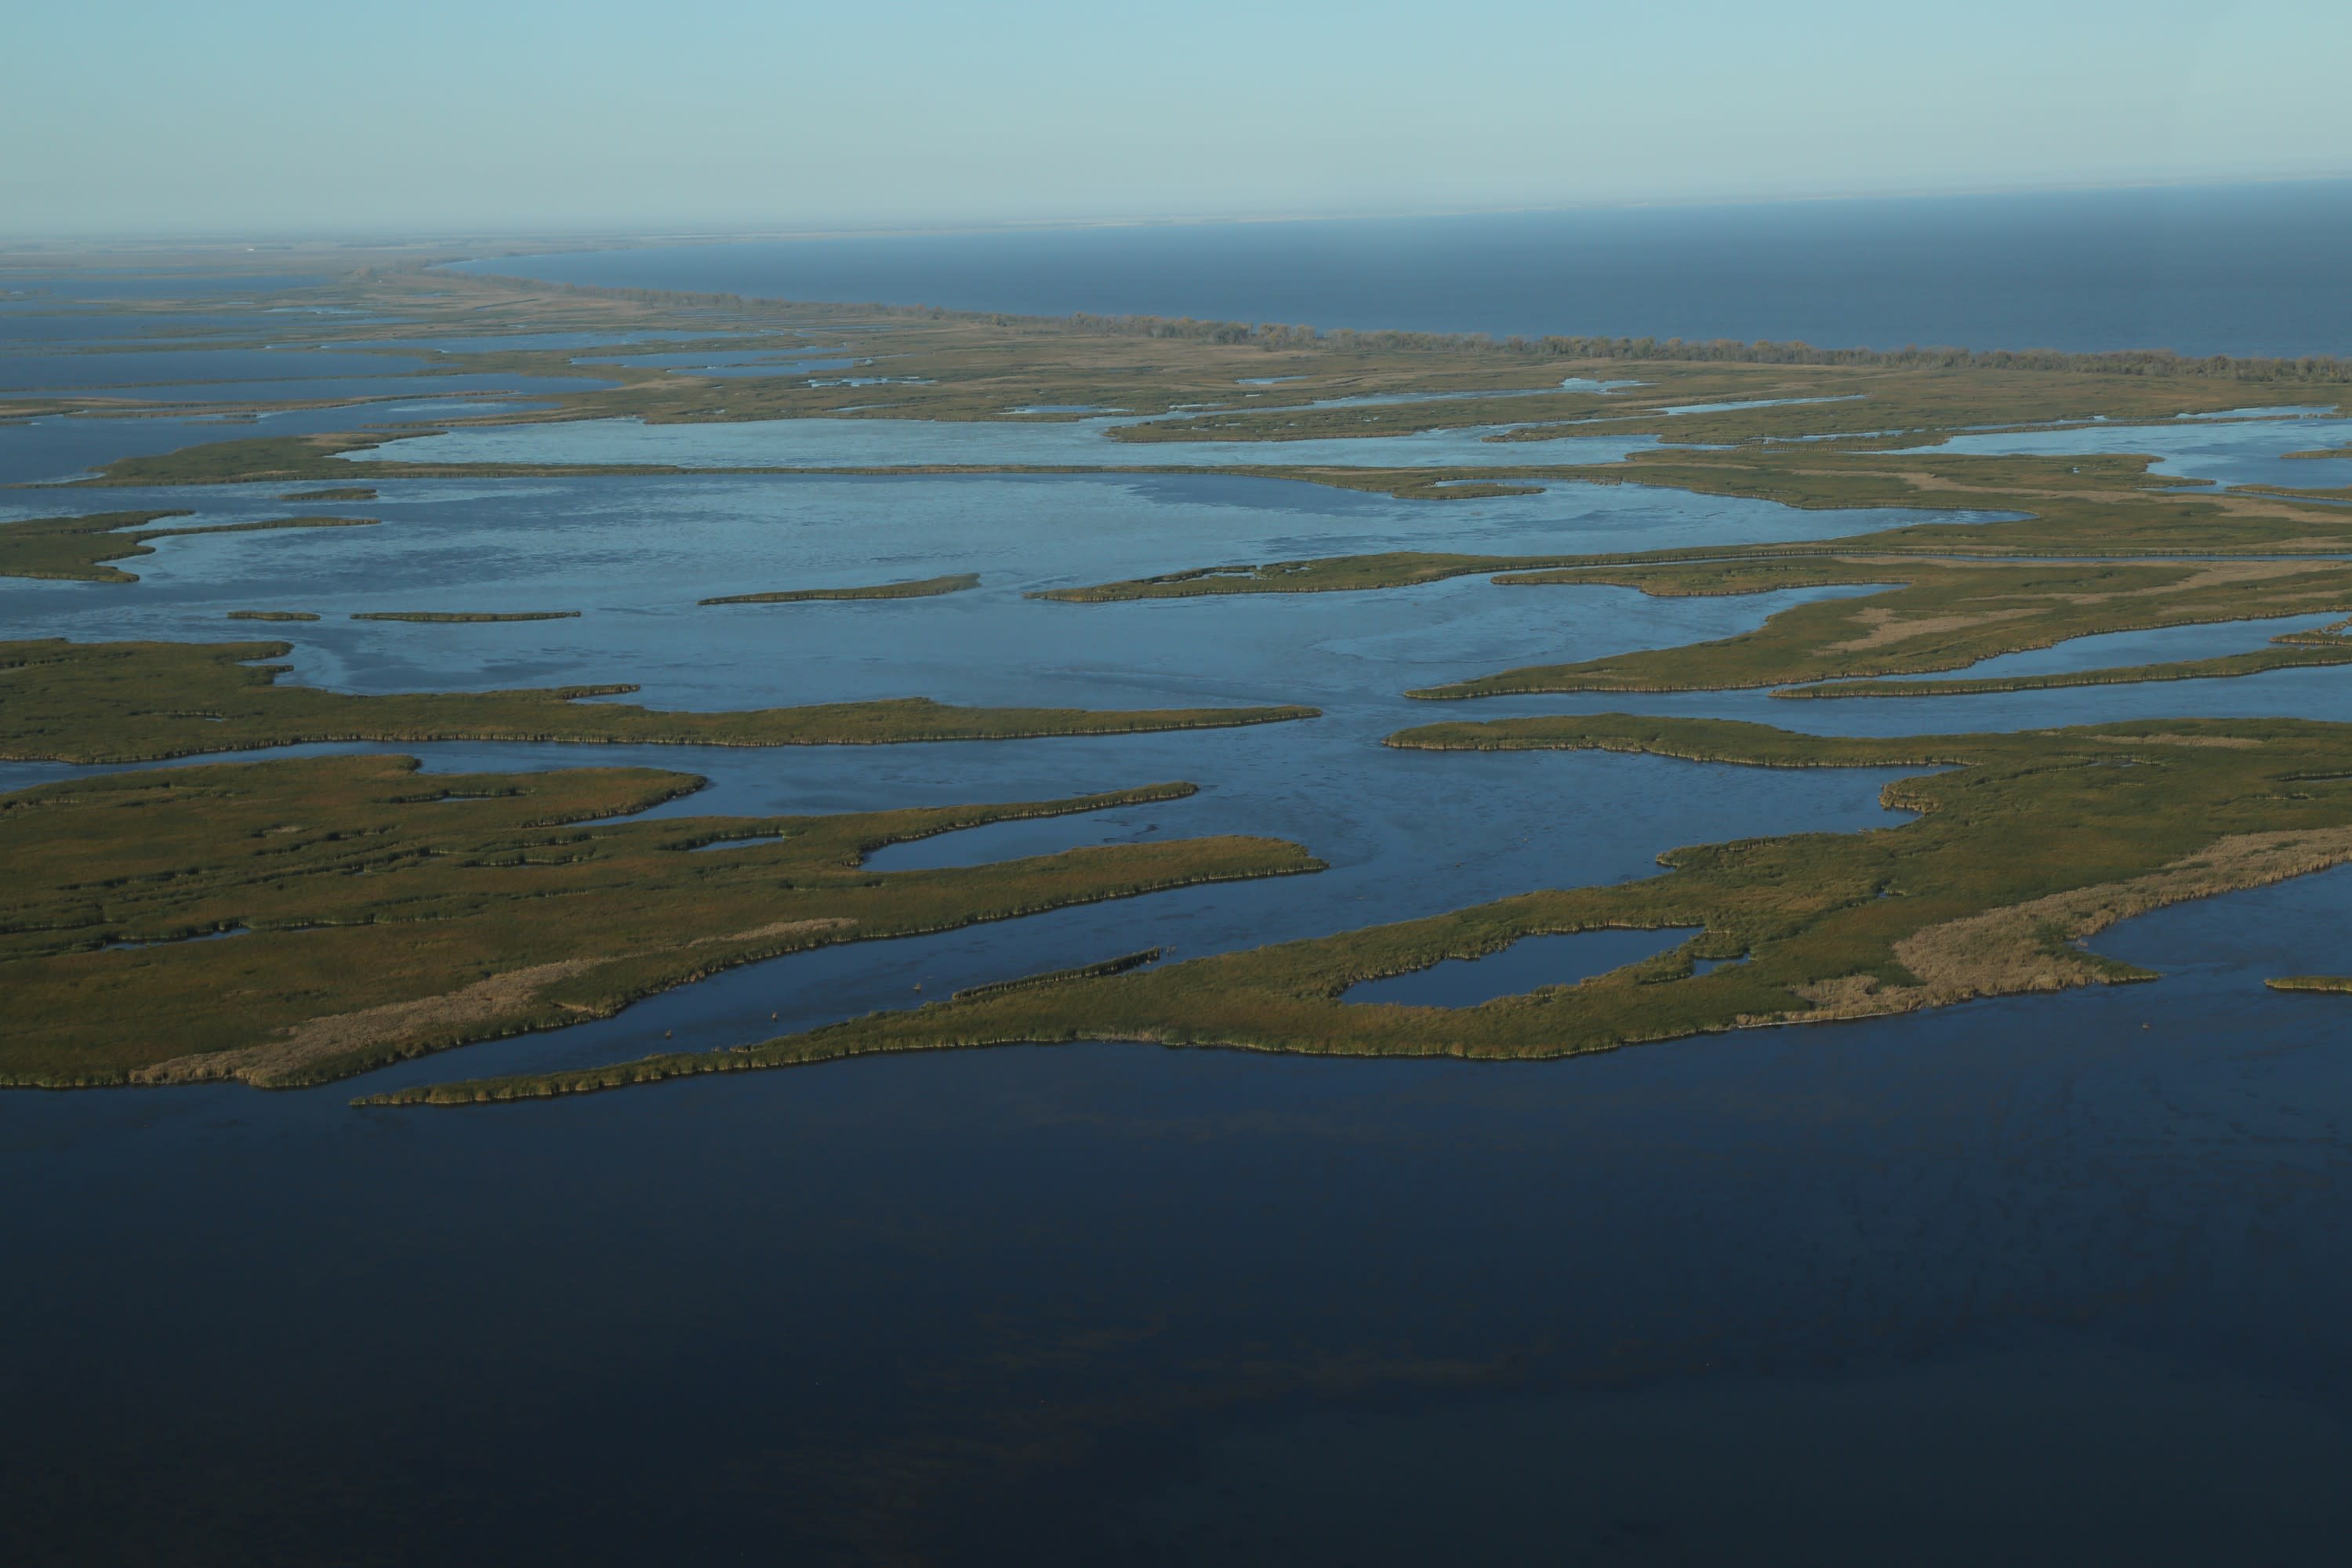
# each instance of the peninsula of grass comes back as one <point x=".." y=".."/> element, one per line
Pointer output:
<point x="2102" y="506"/>
<point x="2027" y="846"/>
<point x="1930" y="616"/>
<point x="78" y="548"/>
<point x="2328" y="984"/>
<point x="248" y="460"/>
<point x="272" y="615"/>
<point x="382" y="913"/>
<point x="464" y="618"/>
<point x="346" y="492"/>
<point x="145" y="701"/>
<point x="922" y="588"/>
<point x="2260" y="661"/>
<point x="1119" y="965"/>
<point x="1329" y="574"/>
<point x="73" y="548"/>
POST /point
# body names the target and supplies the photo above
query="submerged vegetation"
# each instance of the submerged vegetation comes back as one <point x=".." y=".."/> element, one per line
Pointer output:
<point x="2028" y="845"/>
<point x="131" y="702"/>
<point x="383" y="912"/>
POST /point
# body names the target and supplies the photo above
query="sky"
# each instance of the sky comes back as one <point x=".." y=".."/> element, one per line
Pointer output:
<point x="264" y="116"/>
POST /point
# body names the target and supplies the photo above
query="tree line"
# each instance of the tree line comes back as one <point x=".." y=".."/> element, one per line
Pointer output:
<point x="1278" y="335"/>
<point x="2128" y="362"/>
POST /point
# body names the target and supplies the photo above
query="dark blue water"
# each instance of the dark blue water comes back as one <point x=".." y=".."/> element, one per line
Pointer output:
<point x="2238" y="269"/>
<point x="2025" y="1282"/>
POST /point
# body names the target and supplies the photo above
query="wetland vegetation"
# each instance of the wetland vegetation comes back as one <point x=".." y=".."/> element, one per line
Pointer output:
<point x="2260" y="661"/>
<point x="464" y="618"/>
<point x="1929" y="617"/>
<point x="920" y="588"/>
<point x="2324" y="984"/>
<point x="2074" y="547"/>
<point x="1196" y="377"/>
<point x="78" y="548"/>
<point x="144" y="701"/>
<point x="385" y="911"/>
<point x="1791" y="406"/>
<point x="2025" y="845"/>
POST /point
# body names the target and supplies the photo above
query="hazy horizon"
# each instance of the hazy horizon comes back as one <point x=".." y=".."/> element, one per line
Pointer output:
<point x="297" y="236"/>
<point x="731" y="118"/>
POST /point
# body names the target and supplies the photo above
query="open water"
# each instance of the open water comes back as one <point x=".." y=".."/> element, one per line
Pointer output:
<point x="2239" y="270"/>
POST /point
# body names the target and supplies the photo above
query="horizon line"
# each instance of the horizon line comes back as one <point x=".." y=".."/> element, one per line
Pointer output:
<point x="631" y="235"/>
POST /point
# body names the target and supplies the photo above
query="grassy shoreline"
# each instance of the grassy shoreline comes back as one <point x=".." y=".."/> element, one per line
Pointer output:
<point x="2260" y="661"/>
<point x="76" y="549"/>
<point x="2025" y="845"/>
<point x="919" y="588"/>
<point x="132" y="703"/>
<point x="464" y="618"/>
<point x="382" y="912"/>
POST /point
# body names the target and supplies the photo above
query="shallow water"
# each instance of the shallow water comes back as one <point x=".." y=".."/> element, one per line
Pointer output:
<point x="895" y="442"/>
<point x="2247" y="452"/>
<point x="637" y="553"/>
<point x="2250" y="453"/>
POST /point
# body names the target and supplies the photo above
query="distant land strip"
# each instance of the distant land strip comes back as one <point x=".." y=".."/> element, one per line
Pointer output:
<point x="146" y="701"/>
<point x="442" y="617"/>
<point x="920" y="588"/>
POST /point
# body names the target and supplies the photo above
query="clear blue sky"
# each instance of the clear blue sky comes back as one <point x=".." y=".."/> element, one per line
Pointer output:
<point x="228" y="116"/>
